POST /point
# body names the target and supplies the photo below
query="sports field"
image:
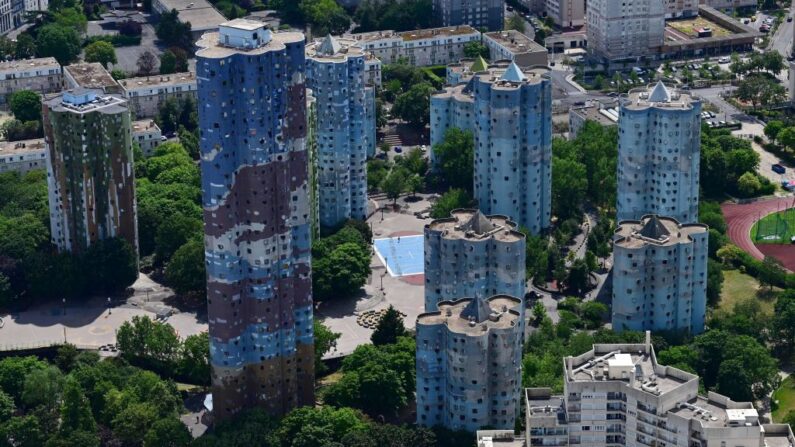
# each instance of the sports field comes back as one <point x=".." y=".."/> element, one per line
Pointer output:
<point x="776" y="228"/>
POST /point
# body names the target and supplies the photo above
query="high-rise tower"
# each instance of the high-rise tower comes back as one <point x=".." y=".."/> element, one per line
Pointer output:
<point x="659" y="153"/>
<point x="252" y="117"/>
<point x="89" y="169"/>
<point x="336" y="74"/>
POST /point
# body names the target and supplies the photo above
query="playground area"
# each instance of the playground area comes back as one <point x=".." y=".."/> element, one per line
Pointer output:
<point x="402" y="255"/>
<point x="775" y="228"/>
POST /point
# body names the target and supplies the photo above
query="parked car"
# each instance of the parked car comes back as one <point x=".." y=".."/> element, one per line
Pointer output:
<point x="398" y="149"/>
<point x="778" y="169"/>
<point x="789" y="19"/>
<point x="423" y="148"/>
<point x="724" y="60"/>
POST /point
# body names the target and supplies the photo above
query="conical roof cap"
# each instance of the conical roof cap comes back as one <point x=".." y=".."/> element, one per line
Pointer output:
<point x="660" y="93"/>
<point x="479" y="65"/>
<point x="478" y="224"/>
<point x="329" y="46"/>
<point x="477" y="310"/>
<point x="513" y="73"/>
<point x="654" y="229"/>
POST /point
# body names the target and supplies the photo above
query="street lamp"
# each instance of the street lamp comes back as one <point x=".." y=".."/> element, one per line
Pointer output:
<point x="64" y="305"/>
<point x="109" y="311"/>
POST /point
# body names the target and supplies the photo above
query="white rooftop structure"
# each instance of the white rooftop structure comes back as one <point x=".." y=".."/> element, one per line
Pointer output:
<point x="660" y="93"/>
<point x="244" y="33"/>
<point x="513" y="74"/>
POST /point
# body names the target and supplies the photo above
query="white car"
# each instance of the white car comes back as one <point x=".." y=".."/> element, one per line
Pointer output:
<point x="724" y="60"/>
<point x="423" y="148"/>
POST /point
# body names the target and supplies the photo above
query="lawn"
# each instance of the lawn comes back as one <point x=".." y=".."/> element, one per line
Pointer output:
<point x="776" y="228"/>
<point x="689" y="27"/>
<point x="737" y="287"/>
<point x="784" y="399"/>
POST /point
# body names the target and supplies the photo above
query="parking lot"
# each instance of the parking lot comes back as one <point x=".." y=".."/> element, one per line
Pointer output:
<point x="128" y="56"/>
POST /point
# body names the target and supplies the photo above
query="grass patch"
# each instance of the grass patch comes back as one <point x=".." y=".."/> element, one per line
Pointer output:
<point x="738" y="287"/>
<point x="783" y="400"/>
<point x="690" y="27"/>
<point x="776" y="228"/>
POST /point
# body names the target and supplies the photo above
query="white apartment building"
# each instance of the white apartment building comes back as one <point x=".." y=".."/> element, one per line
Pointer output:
<point x="515" y="46"/>
<point x="433" y="46"/>
<point x="566" y="13"/>
<point x="11" y="15"/>
<point x="659" y="151"/>
<point x="147" y="134"/>
<point x="729" y="5"/>
<point x="23" y="156"/>
<point x="660" y="275"/>
<point x="42" y="75"/>
<point x="618" y="395"/>
<point x="625" y="30"/>
<point x="681" y="8"/>
<point x="146" y="94"/>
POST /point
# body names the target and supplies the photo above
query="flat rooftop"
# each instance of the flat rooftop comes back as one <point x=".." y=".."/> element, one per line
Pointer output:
<point x="532" y="75"/>
<point x="209" y="45"/>
<point x="658" y="96"/>
<point x="606" y="116"/>
<point x="332" y="48"/>
<point x="498" y="438"/>
<point x="516" y="42"/>
<point x="655" y="230"/>
<point x="99" y="102"/>
<point x="21" y="147"/>
<point x="475" y="226"/>
<point x="472" y="316"/>
<point x="90" y="75"/>
<point x="158" y="80"/>
<point x="714" y="414"/>
<point x="413" y="35"/>
<point x="144" y="126"/>
<point x="200" y="13"/>
<point x="28" y="64"/>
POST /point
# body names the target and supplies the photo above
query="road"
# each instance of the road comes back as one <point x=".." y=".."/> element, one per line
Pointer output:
<point x="782" y="39"/>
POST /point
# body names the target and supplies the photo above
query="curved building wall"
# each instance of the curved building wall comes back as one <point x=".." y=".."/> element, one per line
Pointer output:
<point x="659" y="151"/>
<point x="255" y="193"/>
<point x="454" y="108"/>
<point x="343" y="136"/>
<point x="513" y="151"/>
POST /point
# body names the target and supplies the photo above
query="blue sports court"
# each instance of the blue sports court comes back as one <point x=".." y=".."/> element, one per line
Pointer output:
<point x="404" y="255"/>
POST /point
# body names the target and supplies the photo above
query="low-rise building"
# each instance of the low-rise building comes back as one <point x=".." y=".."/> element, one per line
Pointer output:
<point x="42" y="75"/>
<point x="23" y="156"/>
<point x="499" y="438"/>
<point x="91" y="76"/>
<point x="147" y="134"/>
<point x="617" y="394"/>
<point x="201" y="14"/>
<point x="434" y="46"/>
<point x="451" y="390"/>
<point x="513" y="45"/>
<point x="463" y="70"/>
<point x="660" y="275"/>
<point x="603" y="114"/>
<point x="146" y="94"/>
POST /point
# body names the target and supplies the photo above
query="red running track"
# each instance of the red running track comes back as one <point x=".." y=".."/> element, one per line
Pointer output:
<point x="740" y="218"/>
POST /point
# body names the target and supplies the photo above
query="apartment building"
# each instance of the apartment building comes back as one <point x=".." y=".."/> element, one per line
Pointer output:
<point x="23" y="156"/>
<point x="618" y="395"/>
<point x="598" y="112"/>
<point x="345" y="124"/>
<point x="90" y="180"/>
<point x="489" y="14"/>
<point x="433" y="46"/>
<point x="515" y="46"/>
<point x="473" y="255"/>
<point x="256" y="199"/>
<point x="469" y="357"/>
<point x="41" y="75"/>
<point x="91" y="76"/>
<point x="147" y="134"/>
<point x="566" y="13"/>
<point x="660" y="275"/>
<point x="659" y="154"/>
<point x="12" y="15"/>
<point x="148" y="93"/>
<point x="625" y="30"/>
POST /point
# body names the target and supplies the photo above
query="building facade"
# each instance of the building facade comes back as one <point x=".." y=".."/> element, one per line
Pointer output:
<point x="451" y="390"/>
<point x="147" y="94"/>
<point x="618" y="395"/>
<point x="42" y="75"/>
<point x="148" y="136"/>
<point x="489" y="14"/>
<point x="660" y="275"/>
<point x="472" y="255"/>
<point x="12" y="15"/>
<point x="598" y="112"/>
<point x="566" y="13"/>
<point x="625" y="30"/>
<point x="433" y="46"/>
<point x="90" y="177"/>
<point x="23" y="156"/>
<point x="659" y="154"/>
<point x="256" y="193"/>
<point x="345" y="124"/>
<point x="515" y="46"/>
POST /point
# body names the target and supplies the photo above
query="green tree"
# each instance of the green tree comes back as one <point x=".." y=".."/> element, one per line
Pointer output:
<point x="389" y="328"/>
<point x="170" y="432"/>
<point x="325" y="340"/>
<point x="748" y="184"/>
<point x="593" y="312"/>
<point x="72" y="18"/>
<point x="7" y="407"/>
<point x="714" y="280"/>
<point x="25" y="105"/>
<point x="773" y="128"/>
<point x="186" y="270"/>
<point x="770" y="272"/>
<point x="414" y="184"/>
<point x="113" y="264"/>
<point x="342" y="272"/>
<point x="174" y="233"/>
<point x="102" y="52"/>
<point x="455" y="158"/>
<point x="22" y="431"/>
<point x="66" y="357"/>
<point x="43" y="387"/>
<point x="172" y="31"/>
<point x="14" y="371"/>
<point x="75" y="409"/>
<point x="449" y="201"/>
<point x="194" y="358"/>
<point x="516" y="22"/>
<point x="372" y="388"/>
<point x="25" y="47"/>
<point x="59" y="42"/>
<point x="414" y="162"/>
<point x="569" y="186"/>
<point x="783" y="325"/>
<point x="394" y="184"/>
<point x="146" y="63"/>
<point x="760" y="90"/>
<point x="336" y="423"/>
<point x="134" y="421"/>
<point x="414" y="105"/>
<point x="475" y="49"/>
<point x="539" y="313"/>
